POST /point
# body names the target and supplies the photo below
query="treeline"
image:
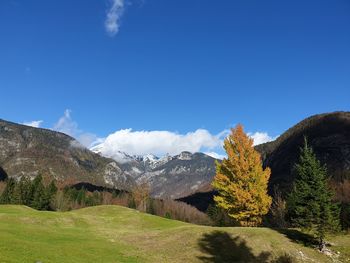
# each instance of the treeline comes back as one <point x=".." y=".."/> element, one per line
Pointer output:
<point x="34" y="193"/>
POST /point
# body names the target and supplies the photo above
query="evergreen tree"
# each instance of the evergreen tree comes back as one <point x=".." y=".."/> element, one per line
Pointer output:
<point x="51" y="189"/>
<point x="39" y="201"/>
<point x="81" y="197"/>
<point x="30" y="193"/>
<point x="26" y="190"/>
<point x="7" y="196"/>
<point x="310" y="203"/>
<point x="17" y="194"/>
<point x="241" y="180"/>
<point x="150" y="207"/>
<point x="22" y="192"/>
<point x="218" y="216"/>
<point x="50" y="192"/>
<point x="35" y="184"/>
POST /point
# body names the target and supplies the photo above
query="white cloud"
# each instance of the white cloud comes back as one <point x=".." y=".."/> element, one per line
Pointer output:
<point x="261" y="137"/>
<point x="162" y="142"/>
<point x="35" y="124"/>
<point x="216" y="155"/>
<point x="151" y="142"/>
<point x="114" y="14"/>
<point x="68" y="126"/>
<point x="158" y="142"/>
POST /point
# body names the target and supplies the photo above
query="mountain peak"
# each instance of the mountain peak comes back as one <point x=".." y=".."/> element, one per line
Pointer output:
<point x="184" y="156"/>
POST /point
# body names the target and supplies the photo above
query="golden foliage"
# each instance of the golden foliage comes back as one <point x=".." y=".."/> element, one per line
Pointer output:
<point x="241" y="181"/>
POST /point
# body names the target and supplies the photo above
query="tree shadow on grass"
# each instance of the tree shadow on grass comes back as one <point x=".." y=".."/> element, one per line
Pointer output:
<point x="220" y="247"/>
<point x="299" y="237"/>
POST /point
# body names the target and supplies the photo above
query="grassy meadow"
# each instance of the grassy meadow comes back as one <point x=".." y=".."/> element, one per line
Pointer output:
<point x="118" y="234"/>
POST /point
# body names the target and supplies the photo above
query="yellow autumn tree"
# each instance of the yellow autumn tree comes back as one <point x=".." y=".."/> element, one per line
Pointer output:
<point x="241" y="181"/>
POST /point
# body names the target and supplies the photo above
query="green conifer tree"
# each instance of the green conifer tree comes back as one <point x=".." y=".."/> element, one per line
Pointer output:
<point x="81" y="197"/>
<point x="310" y="204"/>
<point x="17" y="193"/>
<point x="51" y="192"/>
<point x="39" y="201"/>
<point x="7" y="196"/>
<point x="26" y="190"/>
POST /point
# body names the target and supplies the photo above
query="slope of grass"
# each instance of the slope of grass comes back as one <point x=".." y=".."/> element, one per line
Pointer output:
<point x="117" y="234"/>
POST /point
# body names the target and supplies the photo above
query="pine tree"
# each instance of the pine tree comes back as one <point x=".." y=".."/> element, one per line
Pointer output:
<point x="81" y="197"/>
<point x="17" y="194"/>
<point x="310" y="203"/>
<point x="7" y="196"/>
<point x="241" y="180"/>
<point x="22" y="192"/>
<point x="34" y="186"/>
<point x="51" y="190"/>
<point x="39" y="201"/>
<point x="26" y="190"/>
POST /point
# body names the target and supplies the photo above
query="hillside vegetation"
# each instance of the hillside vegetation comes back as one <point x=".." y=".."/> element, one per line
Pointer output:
<point x="118" y="234"/>
<point x="329" y="136"/>
<point x="30" y="151"/>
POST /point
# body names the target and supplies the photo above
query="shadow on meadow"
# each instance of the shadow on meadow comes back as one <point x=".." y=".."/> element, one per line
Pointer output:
<point x="299" y="237"/>
<point x="220" y="247"/>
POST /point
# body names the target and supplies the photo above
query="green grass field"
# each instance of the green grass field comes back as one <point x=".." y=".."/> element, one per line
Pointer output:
<point x="118" y="234"/>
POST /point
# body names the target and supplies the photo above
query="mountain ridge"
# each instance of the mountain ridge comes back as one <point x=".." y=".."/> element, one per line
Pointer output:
<point x="329" y="136"/>
<point x="29" y="151"/>
<point x="169" y="176"/>
<point x="23" y="149"/>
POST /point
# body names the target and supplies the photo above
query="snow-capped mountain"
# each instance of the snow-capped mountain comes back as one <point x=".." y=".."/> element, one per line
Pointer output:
<point x="123" y="157"/>
<point x="169" y="176"/>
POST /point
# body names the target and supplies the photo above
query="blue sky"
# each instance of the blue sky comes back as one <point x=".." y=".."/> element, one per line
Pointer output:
<point x="175" y="66"/>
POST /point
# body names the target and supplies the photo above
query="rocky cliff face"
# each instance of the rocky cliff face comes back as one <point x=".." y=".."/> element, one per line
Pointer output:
<point x="171" y="176"/>
<point x="31" y="151"/>
<point x="175" y="176"/>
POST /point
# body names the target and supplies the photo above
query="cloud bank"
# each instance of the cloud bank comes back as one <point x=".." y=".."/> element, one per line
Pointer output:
<point x="114" y="14"/>
<point x="261" y="137"/>
<point x="158" y="142"/>
<point x="166" y="142"/>
<point x="35" y="124"/>
<point x="151" y="142"/>
<point x="215" y="155"/>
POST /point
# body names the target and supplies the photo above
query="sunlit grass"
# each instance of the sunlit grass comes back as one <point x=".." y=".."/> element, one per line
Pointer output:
<point x="119" y="234"/>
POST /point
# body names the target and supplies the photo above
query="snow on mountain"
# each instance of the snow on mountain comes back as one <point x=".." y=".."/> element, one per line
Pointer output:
<point x="168" y="176"/>
<point x="118" y="156"/>
<point x="150" y="158"/>
<point x="123" y="157"/>
<point x="184" y="156"/>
